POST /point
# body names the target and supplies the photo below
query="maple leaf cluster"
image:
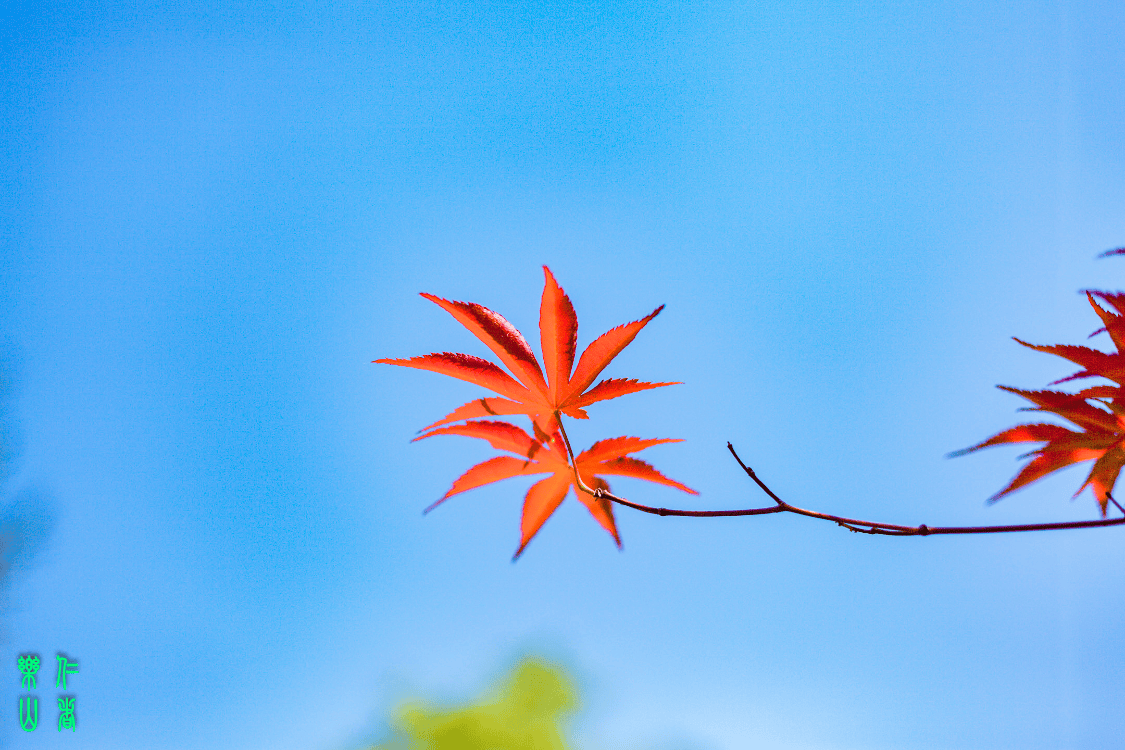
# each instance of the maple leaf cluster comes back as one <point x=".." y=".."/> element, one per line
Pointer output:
<point x="1099" y="412"/>
<point x="565" y="390"/>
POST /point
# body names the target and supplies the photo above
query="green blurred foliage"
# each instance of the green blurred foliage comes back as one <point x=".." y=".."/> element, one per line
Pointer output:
<point x="525" y="711"/>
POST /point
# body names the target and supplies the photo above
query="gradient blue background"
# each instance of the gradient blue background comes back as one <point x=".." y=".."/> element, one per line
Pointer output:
<point x="213" y="218"/>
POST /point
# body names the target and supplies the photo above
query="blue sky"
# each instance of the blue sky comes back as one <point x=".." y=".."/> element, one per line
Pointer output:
<point x="213" y="218"/>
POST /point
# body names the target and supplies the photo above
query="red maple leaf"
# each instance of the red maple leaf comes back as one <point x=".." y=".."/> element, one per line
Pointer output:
<point x="603" y="458"/>
<point x="529" y="392"/>
<point x="1098" y="410"/>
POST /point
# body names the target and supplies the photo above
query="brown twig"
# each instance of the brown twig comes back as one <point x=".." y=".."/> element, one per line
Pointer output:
<point x="852" y="524"/>
<point x="600" y="493"/>
<point x="1112" y="500"/>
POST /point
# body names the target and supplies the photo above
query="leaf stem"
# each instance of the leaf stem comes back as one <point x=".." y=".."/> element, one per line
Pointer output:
<point x="573" y="461"/>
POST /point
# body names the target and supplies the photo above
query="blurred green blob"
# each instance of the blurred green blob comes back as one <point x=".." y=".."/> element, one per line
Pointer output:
<point x="524" y="712"/>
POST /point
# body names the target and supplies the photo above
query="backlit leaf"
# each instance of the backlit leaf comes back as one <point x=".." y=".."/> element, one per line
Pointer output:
<point x="535" y="395"/>
<point x="1099" y="412"/>
<point x="606" y="457"/>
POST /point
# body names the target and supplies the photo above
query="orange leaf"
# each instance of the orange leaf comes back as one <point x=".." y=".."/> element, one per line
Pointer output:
<point x="1097" y="364"/>
<point x="558" y="332"/>
<point x="602" y="351"/>
<point x="487" y="472"/>
<point x="603" y="450"/>
<point x="1102" y="433"/>
<point x="1114" y="324"/>
<point x="606" y="457"/>
<point x="482" y="407"/>
<point x="539" y="504"/>
<point x="1024" y="433"/>
<point x="1071" y="406"/>
<point x="466" y="367"/>
<point x="612" y="388"/>
<point x="538" y="397"/>
<point x="628" y="466"/>
<point x="1104" y="475"/>
<point x="600" y="508"/>
<point x="500" y="336"/>
<point x="501" y="435"/>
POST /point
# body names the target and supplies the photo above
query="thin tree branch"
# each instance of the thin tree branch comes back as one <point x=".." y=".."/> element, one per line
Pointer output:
<point x="852" y="524"/>
<point x="694" y="513"/>
<point x="600" y="493"/>
<point x="1115" y="503"/>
